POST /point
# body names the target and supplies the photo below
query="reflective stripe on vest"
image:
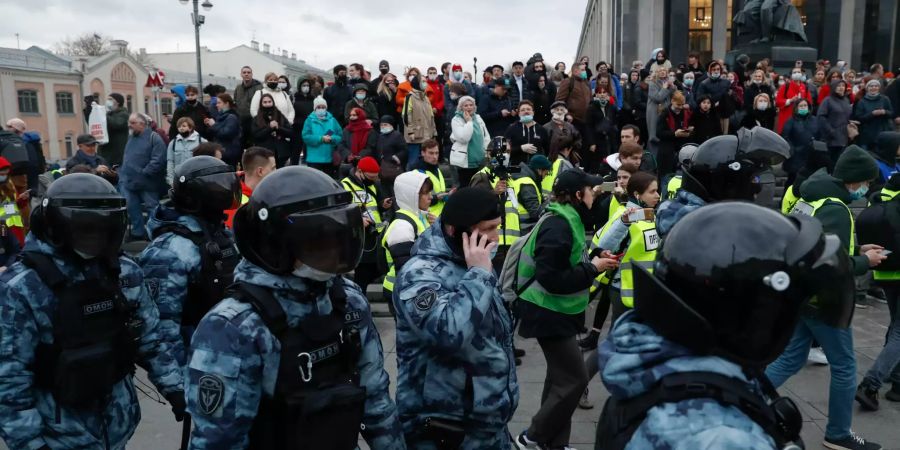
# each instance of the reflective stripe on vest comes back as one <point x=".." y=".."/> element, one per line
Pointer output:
<point x="10" y="215"/>
<point x="517" y="186"/>
<point x="438" y="186"/>
<point x="365" y="198"/>
<point x="810" y="209"/>
<point x="789" y="200"/>
<point x="547" y="182"/>
<point x="512" y="230"/>
<point x="644" y="241"/>
<point x="673" y="186"/>
<point x="535" y="293"/>
<point x="887" y="195"/>
<point x="391" y="276"/>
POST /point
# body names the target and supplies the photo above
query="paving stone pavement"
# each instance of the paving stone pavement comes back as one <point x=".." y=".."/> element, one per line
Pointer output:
<point x="809" y="389"/>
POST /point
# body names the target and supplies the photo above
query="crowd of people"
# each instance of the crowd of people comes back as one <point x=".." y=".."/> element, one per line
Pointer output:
<point x="483" y="209"/>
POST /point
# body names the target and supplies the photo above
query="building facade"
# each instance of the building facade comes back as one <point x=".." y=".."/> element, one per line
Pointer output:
<point x="861" y="32"/>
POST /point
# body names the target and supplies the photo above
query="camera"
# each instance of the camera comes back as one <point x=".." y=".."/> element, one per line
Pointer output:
<point x="500" y="161"/>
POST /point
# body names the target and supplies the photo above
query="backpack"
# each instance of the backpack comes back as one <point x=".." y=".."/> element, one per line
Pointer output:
<point x="14" y="149"/>
<point x="509" y="275"/>
<point x="879" y="224"/>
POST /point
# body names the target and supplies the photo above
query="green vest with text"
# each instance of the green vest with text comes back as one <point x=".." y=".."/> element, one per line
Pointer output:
<point x="574" y="303"/>
<point x="641" y="252"/>
<point x="438" y="186"/>
<point x="509" y="226"/>
<point x="420" y="227"/>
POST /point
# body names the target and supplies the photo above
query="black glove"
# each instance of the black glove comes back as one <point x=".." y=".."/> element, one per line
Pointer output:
<point x="176" y="399"/>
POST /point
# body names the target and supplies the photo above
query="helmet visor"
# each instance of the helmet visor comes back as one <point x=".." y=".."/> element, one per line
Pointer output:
<point x="92" y="232"/>
<point x="328" y="240"/>
<point x="221" y="191"/>
<point x="831" y="276"/>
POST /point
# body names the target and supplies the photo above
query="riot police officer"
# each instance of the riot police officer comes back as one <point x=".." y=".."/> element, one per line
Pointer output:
<point x="685" y="368"/>
<point x="192" y="257"/>
<point x="290" y="359"/>
<point x="723" y="168"/>
<point x="76" y="318"/>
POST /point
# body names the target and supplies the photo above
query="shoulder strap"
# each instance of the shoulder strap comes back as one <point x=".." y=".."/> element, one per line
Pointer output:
<point x="726" y="390"/>
<point x="45" y="268"/>
<point x="534" y="231"/>
<point x="197" y="238"/>
<point x="264" y="303"/>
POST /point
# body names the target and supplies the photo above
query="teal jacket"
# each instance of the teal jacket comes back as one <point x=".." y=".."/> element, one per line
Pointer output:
<point x="314" y="129"/>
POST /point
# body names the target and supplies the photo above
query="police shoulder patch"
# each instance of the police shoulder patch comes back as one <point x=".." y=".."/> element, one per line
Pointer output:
<point x="210" y="390"/>
<point x="425" y="300"/>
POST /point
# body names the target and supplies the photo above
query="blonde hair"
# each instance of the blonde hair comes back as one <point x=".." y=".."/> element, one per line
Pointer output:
<point x="762" y="95"/>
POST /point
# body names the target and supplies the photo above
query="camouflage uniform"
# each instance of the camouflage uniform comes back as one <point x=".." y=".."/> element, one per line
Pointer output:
<point x="452" y="324"/>
<point x="169" y="262"/>
<point x="671" y="211"/>
<point x="233" y="345"/>
<point x="28" y="414"/>
<point x="634" y="358"/>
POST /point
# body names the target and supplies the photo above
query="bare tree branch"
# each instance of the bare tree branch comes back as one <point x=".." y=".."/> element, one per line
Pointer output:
<point x="88" y="44"/>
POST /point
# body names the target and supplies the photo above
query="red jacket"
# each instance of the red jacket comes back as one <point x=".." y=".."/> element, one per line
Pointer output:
<point x="785" y="111"/>
<point x="245" y="197"/>
<point x="436" y="96"/>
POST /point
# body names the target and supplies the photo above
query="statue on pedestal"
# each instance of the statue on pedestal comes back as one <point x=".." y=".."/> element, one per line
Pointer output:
<point x="770" y="21"/>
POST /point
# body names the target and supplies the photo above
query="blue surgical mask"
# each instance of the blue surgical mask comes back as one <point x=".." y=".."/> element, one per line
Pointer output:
<point x="715" y="75"/>
<point x="494" y="252"/>
<point x="360" y="97"/>
<point x="526" y="119"/>
<point x="3" y="179"/>
<point x="320" y="113"/>
<point x="386" y="130"/>
<point x="859" y="193"/>
<point x="802" y="112"/>
<point x="458" y="76"/>
<point x="688" y="82"/>
<point x="583" y="75"/>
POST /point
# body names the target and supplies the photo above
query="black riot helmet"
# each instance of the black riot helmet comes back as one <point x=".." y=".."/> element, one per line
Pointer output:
<point x="300" y="213"/>
<point x="717" y="290"/>
<point x="83" y="214"/>
<point x="206" y="187"/>
<point x="727" y="167"/>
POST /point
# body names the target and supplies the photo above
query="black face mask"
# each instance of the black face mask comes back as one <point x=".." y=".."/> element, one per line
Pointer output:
<point x="342" y="79"/>
<point x="383" y="70"/>
<point x="185" y="134"/>
<point x="272" y="84"/>
<point x="416" y="82"/>
<point x="192" y="102"/>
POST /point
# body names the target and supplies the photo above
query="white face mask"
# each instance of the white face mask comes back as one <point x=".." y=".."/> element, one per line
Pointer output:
<point x="559" y="117"/>
<point x="282" y="86"/>
<point x="432" y="77"/>
<point x="762" y="106"/>
<point x="110" y="104"/>
<point x="304" y="89"/>
<point x="309" y="273"/>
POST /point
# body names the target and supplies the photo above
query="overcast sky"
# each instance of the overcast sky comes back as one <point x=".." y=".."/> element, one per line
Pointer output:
<point x="364" y="31"/>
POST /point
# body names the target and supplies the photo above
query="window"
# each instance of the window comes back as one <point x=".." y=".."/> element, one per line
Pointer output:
<point x="147" y="104"/>
<point x="64" y="103"/>
<point x="165" y="105"/>
<point x="128" y="104"/>
<point x="69" y="148"/>
<point x="700" y="28"/>
<point x="28" y="102"/>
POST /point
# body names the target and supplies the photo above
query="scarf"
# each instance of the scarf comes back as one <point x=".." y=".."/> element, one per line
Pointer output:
<point x="359" y="131"/>
<point x="475" y="147"/>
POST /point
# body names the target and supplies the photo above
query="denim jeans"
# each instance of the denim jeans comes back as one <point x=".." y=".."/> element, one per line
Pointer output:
<point x="837" y="343"/>
<point x="138" y="202"/>
<point x="886" y="365"/>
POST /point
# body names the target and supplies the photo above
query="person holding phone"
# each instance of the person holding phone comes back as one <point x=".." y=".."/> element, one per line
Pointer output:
<point x="673" y="129"/>
<point x="554" y="282"/>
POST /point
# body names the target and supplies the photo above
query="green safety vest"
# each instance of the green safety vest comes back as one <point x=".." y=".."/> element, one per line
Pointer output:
<point x="438" y="186"/>
<point x="673" y="186"/>
<point x="365" y="198"/>
<point x="518" y="183"/>
<point x="574" y="303"/>
<point x="886" y="195"/>
<point x="641" y="252"/>
<point x="547" y="182"/>
<point x="512" y="231"/>
<point x="614" y="206"/>
<point x="10" y="215"/>
<point x="810" y="208"/>
<point x="420" y="227"/>
<point x="789" y="200"/>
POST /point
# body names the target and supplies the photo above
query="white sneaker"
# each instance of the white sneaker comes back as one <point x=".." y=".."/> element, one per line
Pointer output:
<point x="817" y="357"/>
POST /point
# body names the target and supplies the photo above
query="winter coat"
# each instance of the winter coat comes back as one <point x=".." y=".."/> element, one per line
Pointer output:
<point x="834" y="113"/>
<point x="542" y="100"/>
<point x="36" y="162"/>
<point x="800" y="132"/>
<point x="29" y="412"/>
<point x="750" y="93"/>
<point x="634" y="100"/>
<point x="601" y="129"/>
<point x="277" y="140"/>
<point x="658" y="100"/>
<point x="386" y="107"/>
<point x="634" y="358"/>
<point x="404" y="89"/>
<point x="565" y="128"/>
<point x="303" y="107"/>
<point x="227" y="132"/>
<point x="715" y="89"/>
<point x="885" y="154"/>
<point x="436" y="97"/>
<point x="282" y="102"/>
<point x="491" y="108"/>
<point x="706" y="125"/>
<point x="314" y="129"/>
<point x="871" y="125"/>
<point x="518" y="135"/>
<point x="117" y="129"/>
<point x="785" y="104"/>
<point x="144" y="164"/>
<point x="418" y="118"/>
<point x="371" y="148"/>
<point x="402" y="235"/>
<point x="755" y="117"/>
<point x="390" y="145"/>
<point x="368" y="106"/>
<point x="452" y="326"/>
<point x="514" y="91"/>
<point x="180" y="149"/>
<point x="196" y="112"/>
<point x="243" y="96"/>
<point x="461" y="134"/>
<point x="337" y="95"/>
<point x="577" y="95"/>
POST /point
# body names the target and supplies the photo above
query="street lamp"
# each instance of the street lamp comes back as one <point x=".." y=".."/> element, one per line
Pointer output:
<point x="198" y="20"/>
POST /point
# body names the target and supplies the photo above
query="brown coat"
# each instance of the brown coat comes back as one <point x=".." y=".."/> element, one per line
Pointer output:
<point x="577" y="97"/>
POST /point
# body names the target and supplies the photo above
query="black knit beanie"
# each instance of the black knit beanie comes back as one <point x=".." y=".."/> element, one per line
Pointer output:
<point x="855" y="165"/>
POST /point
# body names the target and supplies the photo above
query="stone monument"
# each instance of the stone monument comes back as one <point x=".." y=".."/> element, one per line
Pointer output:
<point x="776" y="31"/>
